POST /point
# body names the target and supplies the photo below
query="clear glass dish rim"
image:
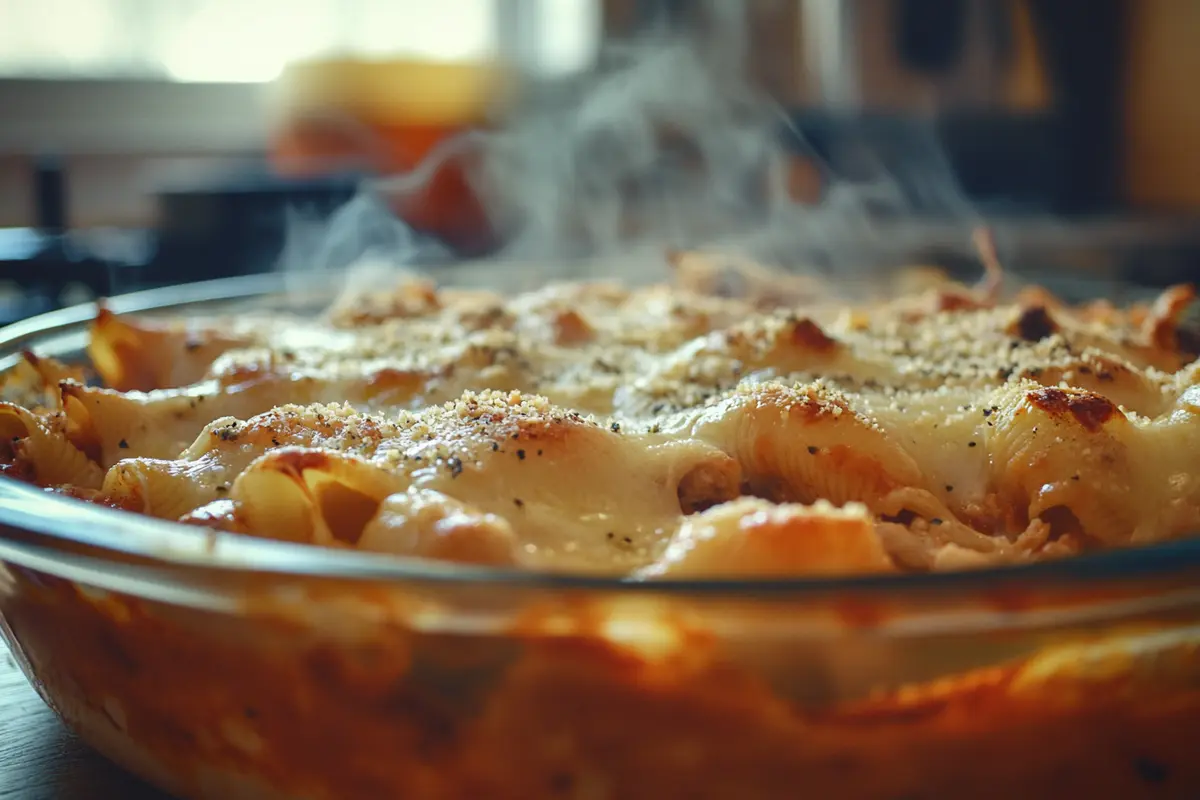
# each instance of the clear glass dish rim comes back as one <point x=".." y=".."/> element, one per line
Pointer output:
<point x="57" y="522"/>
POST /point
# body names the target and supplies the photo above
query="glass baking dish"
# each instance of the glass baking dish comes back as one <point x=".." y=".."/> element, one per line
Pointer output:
<point x="219" y="666"/>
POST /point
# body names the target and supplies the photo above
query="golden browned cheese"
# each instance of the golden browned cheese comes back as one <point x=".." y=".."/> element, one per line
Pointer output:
<point x="722" y="425"/>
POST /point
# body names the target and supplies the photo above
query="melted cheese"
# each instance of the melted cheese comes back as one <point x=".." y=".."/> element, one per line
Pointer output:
<point x="581" y="427"/>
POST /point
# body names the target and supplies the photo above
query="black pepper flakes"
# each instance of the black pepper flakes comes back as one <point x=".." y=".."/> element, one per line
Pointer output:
<point x="124" y="445"/>
<point x="615" y="427"/>
<point x="561" y="783"/>
<point x="972" y="444"/>
<point x="518" y="502"/>
<point x="521" y="455"/>
<point x="456" y="466"/>
<point x="1151" y="771"/>
<point x="949" y="487"/>
<point x="495" y="446"/>
<point x="812" y="451"/>
<point x="935" y="521"/>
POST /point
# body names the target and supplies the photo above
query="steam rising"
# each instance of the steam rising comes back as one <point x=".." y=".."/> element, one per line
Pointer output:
<point x="362" y="228"/>
<point x="667" y="146"/>
<point x="659" y="151"/>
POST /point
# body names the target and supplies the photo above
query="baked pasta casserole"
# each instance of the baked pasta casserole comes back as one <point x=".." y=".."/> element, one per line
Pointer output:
<point x="730" y="423"/>
<point x="733" y="422"/>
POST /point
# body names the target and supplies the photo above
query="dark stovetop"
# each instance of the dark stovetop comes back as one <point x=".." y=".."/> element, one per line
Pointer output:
<point x="227" y="228"/>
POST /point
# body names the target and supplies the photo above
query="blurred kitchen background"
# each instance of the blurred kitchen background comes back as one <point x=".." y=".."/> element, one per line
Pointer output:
<point x="145" y="142"/>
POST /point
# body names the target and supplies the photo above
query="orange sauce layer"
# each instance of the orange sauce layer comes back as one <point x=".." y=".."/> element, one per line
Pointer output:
<point x="388" y="713"/>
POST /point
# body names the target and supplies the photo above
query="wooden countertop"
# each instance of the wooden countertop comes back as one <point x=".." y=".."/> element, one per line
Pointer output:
<point x="41" y="760"/>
